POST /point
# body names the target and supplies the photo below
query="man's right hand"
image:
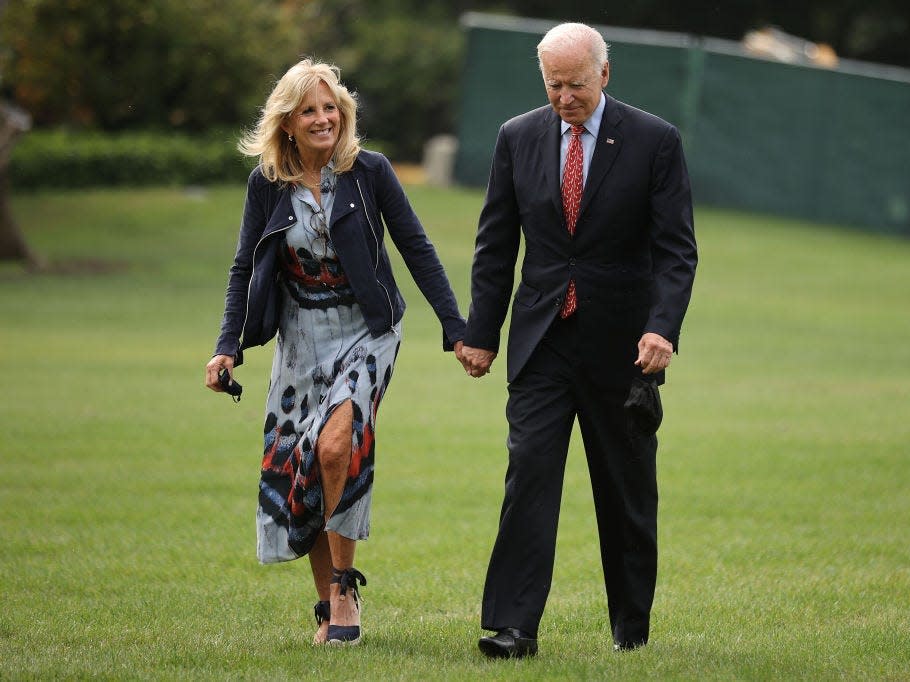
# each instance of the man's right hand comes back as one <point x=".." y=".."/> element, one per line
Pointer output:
<point x="476" y="361"/>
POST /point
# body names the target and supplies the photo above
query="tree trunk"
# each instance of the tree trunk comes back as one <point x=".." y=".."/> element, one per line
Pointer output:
<point x="13" y="122"/>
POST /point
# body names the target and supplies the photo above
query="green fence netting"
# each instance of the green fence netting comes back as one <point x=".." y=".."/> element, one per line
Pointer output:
<point x="829" y="145"/>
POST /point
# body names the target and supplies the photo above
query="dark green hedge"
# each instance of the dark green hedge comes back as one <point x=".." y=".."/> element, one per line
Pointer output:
<point x="47" y="159"/>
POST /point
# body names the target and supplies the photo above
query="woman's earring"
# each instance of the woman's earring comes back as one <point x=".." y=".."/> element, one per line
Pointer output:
<point x="291" y="139"/>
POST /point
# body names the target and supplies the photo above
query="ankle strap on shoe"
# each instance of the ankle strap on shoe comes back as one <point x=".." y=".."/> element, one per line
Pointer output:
<point x="323" y="612"/>
<point x="348" y="578"/>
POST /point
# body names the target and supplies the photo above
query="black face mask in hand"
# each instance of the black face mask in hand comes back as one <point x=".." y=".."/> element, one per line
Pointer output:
<point x="643" y="408"/>
<point x="232" y="388"/>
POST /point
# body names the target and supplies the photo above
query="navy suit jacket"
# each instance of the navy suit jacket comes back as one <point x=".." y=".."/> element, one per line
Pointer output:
<point x="633" y="255"/>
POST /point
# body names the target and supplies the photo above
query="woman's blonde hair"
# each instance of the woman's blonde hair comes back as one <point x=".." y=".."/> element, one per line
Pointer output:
<point x="278" y="156"/>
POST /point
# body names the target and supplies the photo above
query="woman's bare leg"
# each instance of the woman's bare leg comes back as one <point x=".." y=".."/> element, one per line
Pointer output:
<point x="333" y="450"/>
<point x="321" y="565"/>
<point x="345" y="610"/>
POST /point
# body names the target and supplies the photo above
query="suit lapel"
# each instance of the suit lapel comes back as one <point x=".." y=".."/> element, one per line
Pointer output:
<point x="606" y="149"/>
<point x="548" y="143"/>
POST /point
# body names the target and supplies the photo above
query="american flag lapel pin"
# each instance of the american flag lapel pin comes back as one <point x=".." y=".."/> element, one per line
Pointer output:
<point x="610" y="140"/>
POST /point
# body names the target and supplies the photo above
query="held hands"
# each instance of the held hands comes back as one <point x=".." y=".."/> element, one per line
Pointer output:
<point x="214" y="367"/>
<point x="654" y="353"/>
<point x="476" y="361"/>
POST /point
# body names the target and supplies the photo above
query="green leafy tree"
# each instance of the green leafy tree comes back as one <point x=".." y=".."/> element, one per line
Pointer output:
<point x="402" y="59"/>
<point x="13" y="123"/>
<point x="195" y="65"/>
<point x="163" y="63"/>
<point x="13" y="247"/>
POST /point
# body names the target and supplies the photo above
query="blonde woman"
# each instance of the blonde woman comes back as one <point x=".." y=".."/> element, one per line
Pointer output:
<point x="312" y="267"/>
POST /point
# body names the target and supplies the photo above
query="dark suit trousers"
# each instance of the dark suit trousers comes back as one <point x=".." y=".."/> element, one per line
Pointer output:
<point x="560" y="382"/>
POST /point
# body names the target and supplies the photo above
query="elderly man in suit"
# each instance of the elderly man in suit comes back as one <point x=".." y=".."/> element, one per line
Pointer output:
<point x="600" y="192"/>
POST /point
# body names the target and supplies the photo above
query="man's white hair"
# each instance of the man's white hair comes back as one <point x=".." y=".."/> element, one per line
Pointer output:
<point x="571" y="36"/>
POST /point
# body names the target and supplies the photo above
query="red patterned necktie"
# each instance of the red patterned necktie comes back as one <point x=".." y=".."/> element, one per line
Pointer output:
<point x="572" y="185"/>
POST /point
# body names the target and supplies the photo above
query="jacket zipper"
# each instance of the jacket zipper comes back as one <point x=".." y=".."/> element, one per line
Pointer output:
<point x="376" y="264"/>
<point x="249" y="285"/>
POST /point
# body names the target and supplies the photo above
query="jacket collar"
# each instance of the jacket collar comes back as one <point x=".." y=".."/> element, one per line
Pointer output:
<point x="606" y="149"/>
<point x="347" y="199"/>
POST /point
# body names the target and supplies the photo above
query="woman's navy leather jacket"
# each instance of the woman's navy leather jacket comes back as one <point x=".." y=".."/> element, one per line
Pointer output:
<point x="368" y="199"/>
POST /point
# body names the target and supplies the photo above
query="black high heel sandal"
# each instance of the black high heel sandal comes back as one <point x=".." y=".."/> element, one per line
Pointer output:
<point x="347" y="579"/>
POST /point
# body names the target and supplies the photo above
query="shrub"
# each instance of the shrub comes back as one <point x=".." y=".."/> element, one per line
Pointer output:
<point x="61" y="158"/>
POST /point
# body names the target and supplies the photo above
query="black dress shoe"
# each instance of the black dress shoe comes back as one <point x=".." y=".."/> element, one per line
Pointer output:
<point x="508" y="643"/>
<point x="627" y="646"/>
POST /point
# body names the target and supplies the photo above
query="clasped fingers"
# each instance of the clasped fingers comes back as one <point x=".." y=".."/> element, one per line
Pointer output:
<point x="476" y="361"/>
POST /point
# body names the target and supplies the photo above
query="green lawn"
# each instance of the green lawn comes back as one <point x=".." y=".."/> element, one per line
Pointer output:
<point x="128" y="491"/>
